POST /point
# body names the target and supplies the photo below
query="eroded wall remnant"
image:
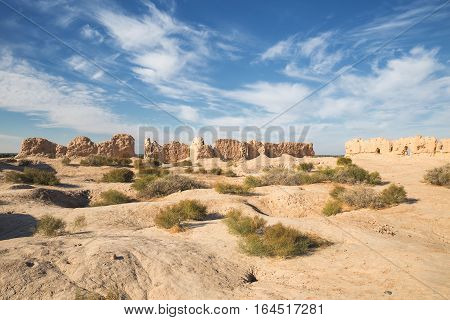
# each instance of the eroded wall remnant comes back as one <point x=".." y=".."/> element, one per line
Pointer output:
<point x="120" y="146"/>
<point x="409" y="146"/>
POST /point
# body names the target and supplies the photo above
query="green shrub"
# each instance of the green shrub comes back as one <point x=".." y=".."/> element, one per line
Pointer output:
<point x="278" y="241"/>
<point x="229" y="173"/>
<point x="97" y="161"/>
<point x="231" y="189"/>
<point x="33" y="176"/>
<point x="65" y="161"/>
<point x="173" y="216"/>
<point x="332" y="207"/>
<point x="281" y="176"/>
<point x="439" y="176"/>
<point x="143" y="181"/>
<point x="306" y="166"/>
<point x="118" y="175"/>
<point x="337" y="190"/>
<point x="243" y="225"/>
<point x="162" y="186"/>
<point x="374" y="178"/>
<point x="189" y="170"/>
<point x="252" y="182"/>
<point x="112" y="197"/>
<point x="50" y="226"/>
<point x="393" y="195"/>
<point x="216" y="171"/>
<point x="184" y="163"/>
<point x="343" y="161"/>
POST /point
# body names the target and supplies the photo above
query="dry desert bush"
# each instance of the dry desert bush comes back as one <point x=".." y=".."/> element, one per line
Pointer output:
<point x="111" y="197"/>
<point x="363" y="197"/>
<point x="79" y="223"/>
<point x="50" y="226"/>
<point x="229" y="173"/>
<point x="118" y="175"/>
<point x="230" y="188"/>
<point x="202" y="171"/>
<point x="184" y="163"/>
<point x="65" y="161"/>
<point x="163" y="186"/>
<point x="332" y="207"/>
<point x="173" y="216"/>
<point x="189" y="170"/>
<point x="306" y="166"/>
<point x="269" y="241"/>
<point x="98" y="161"/>
<point x="439" y="176"/>
<point x="216" y="171"/>
<point x="343" y="161"/>
<point x="32" y="176"/>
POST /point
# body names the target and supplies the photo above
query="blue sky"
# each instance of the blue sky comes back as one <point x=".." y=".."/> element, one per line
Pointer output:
<point x="223" y="63"/>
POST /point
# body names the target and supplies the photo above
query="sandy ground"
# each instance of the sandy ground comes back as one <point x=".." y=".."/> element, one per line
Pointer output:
<point x="395" y="253"/>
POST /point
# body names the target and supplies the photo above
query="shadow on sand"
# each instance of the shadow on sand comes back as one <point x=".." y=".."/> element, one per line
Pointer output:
<point x="16" y="225"/>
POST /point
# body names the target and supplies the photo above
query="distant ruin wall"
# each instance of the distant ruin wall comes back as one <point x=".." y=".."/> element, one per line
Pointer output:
<point x="401" y="147"/>
<point x="120" y="146"/>
<point x="225" y="149"/>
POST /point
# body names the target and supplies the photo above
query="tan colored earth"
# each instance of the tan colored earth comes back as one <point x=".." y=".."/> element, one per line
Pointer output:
<point x="396" y="253"/>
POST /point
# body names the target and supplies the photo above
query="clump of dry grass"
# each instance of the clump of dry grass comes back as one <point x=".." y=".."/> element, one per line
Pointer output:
<point x="439" y="176"/>
<point x="33" y="176"/>
<point x="343" y="161"/>
<point x="50" y="226"/>
<point x="229" y="188"/>
<point x="243" y="225"/>
<point x="163" y="186"/>
<point x="216" y="171"/>
<point x="363" y="197"/>
<point x="269" y="241"/>
<point x="306" y="166"/>
<point x="189" y="170"/>
<point x="65" y="161"/>
<point x="112" y="197"/>
<point x="118" y="175"/>
<point x="229" y="173"/>
<point x="332" y="207"/>
<point x="98" y="161"/>
<point x="173" y="216"/>
<point x="79" y="223"/>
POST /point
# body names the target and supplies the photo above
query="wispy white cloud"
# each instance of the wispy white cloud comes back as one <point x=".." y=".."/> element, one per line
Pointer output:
<point x="89" y="32"/>
<point x="57" y="102"/>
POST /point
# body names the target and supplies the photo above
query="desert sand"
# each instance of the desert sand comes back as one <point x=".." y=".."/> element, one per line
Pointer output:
<point x="396" y="253"/>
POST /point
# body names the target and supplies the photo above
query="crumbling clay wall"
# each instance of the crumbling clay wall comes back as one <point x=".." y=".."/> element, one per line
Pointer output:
<point x="120" y="146"/>
<point x="409" y="146"/>
<point x="225" y="149"/>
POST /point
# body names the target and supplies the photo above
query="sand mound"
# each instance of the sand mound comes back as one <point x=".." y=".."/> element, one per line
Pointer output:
<point x="159" y="266"/>
<point x="65" y="199"/>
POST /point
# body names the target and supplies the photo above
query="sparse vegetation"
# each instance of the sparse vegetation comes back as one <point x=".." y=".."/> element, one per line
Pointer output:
<point x="162" y="186"/>
<point x="33" y="176"/>
<point x="174" y="216"/>
<point x="189" y="170"/>
<point x="332" y="207"/>
<point x="184" y="163"/>
<point x="232" y="189"/>
<point x="156" y="171"/>
<point x="24" y="163"/>
<point x="230" y="173"/>
<point x="393" y="195"/>
<point x="50" y="226"/>
<point x="306" y="166"/>
<point x="98" y="161"/>
<point x="249" y="276"/>
<point x="278" y="241"/>
<point x="79" y="223"/>
<point x="65" y="161"/>
<point x="216" y="171"/>
<point x="111" y="197"/>
<point x="118" y="175"/>
<point x="138" y="164"/>
<point x="439" y="176"/>
<point x="244" y="225"/>
<point x="252" y="182"/>
<point x="343" y="161"/>
<point x="363" y="197"/>
<point x="202" y="171"/>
